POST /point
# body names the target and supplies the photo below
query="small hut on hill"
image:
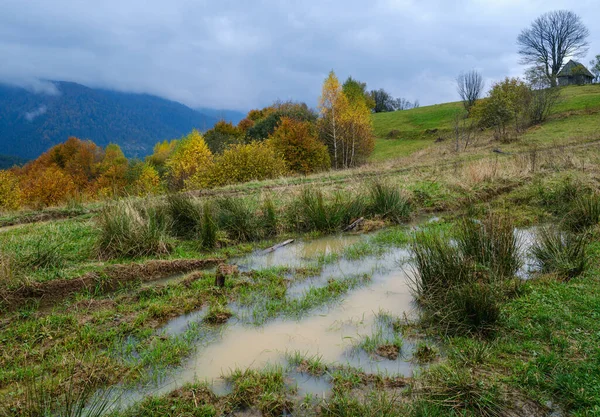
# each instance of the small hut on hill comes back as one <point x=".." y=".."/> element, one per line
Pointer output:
<point x="574" y="73"/>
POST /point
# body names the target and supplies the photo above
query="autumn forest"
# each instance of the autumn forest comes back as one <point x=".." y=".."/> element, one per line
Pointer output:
<point x="284" y="138"/>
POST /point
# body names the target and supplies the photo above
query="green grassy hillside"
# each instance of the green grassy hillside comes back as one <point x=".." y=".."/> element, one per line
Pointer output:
<point x="575" y="117"/>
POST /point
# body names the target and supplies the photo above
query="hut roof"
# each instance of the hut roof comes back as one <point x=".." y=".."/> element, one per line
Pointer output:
<point x="567" y="70"/>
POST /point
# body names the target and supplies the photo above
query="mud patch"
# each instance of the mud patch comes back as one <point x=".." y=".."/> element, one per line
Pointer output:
<point x="390" y="352"/>
<point x="44" y="216"/>
<point x="218" y="317"/>
<point x="91" y="306"/>
<point x="110" y="279"/>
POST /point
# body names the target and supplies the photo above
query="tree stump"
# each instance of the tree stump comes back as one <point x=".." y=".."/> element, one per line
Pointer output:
<point x="224" y="271"/>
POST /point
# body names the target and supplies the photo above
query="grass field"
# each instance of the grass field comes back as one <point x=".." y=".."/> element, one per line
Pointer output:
<point x="86" y="291"/>
<point x="575" y="117"/>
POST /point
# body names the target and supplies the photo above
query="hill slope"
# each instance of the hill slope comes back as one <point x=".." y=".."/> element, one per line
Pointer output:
<point x="31" y="123"/>
<point x="575" y="116"/>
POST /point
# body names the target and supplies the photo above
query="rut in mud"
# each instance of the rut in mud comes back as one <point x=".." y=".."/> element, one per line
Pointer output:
<point x="109" y="279"/>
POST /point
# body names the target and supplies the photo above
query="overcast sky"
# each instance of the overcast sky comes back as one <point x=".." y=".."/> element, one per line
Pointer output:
<point x="248" y="53"/>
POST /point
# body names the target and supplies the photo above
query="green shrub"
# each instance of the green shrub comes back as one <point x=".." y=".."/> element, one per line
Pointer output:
<point x="585" y="213"/>
<point x="237" y="217"/>
<point x="562" y="253"/>
<point x="472" y="308"/>
<point x="557" y="197"/>
<point x="208" y="231"/>
<point x="127" y="230"/>
<point x="389" y="203"/>
<point x="269" y="218"/>
<point x="185" y="215"/>
<point x="45" y="254"/>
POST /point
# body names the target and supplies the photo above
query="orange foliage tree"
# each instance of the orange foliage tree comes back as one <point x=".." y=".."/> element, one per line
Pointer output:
<point x="49" y="186"/>
<point x="77" y="158"/>
<point x="300" y="147"/>
<point x="245" y="124"/>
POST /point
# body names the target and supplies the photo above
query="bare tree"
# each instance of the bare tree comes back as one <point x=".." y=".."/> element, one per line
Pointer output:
<point x="464" y="129"/>
<point x="404" y="104"/>
<point x="551" y="38"/>
<point x="469" y="86"/>
<point x="536" y="77"/>
<point x="541" y="103"/>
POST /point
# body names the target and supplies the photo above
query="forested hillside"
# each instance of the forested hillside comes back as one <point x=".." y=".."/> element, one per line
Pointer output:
<point x="31" y="123"/>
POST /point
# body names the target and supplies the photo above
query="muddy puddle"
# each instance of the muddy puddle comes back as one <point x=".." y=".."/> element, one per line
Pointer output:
<point x="332" y="333"/>
<point x="296" y="254"/>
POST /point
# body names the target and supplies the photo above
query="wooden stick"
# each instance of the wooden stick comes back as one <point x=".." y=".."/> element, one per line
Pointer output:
<point x="354" y="224"/>
<point x="279" y="245"/>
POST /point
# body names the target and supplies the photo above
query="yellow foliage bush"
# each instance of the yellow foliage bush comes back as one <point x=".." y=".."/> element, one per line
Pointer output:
<point x="10" y="191"/>
<point x="113" y="168"/>
<point x="245" y="162"/>
<point x="148" y="181"/>
<point x="191" y="159"/>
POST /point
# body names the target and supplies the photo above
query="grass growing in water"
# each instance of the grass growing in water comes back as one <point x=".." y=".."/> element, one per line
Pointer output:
<point x="438" y="264"/>
<point x="312" y="365"/>
<point x="491" y="244"/>
<point x="389" y="203"/>
<point x="461" y="284"/>
<point x="559" y="252"/>
<point x="217" y="314"/>
<point x="312" y="211"/>
<point x="266" y="390"/>
<point x="49" y="398"/>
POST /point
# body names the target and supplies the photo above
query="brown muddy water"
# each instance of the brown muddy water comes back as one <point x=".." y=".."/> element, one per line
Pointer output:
<point x="330" y="333"/>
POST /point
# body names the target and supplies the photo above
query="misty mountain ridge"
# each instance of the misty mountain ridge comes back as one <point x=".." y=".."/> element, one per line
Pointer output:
<point x="34" y="120"/>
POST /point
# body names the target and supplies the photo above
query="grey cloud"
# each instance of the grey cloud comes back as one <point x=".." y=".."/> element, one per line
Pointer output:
<point x="34" y="85"/>
<point x="36" y="113"/>
<point x="233" y="54"/>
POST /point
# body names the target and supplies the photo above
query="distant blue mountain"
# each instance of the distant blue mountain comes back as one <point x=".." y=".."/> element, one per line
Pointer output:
<point x="232" y="116"/>
<point x="7" y="161"/>
<point x="31" y="123"/>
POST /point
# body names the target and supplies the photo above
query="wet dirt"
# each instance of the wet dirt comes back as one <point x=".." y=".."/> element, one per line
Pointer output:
<point x="111" y="278"/>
